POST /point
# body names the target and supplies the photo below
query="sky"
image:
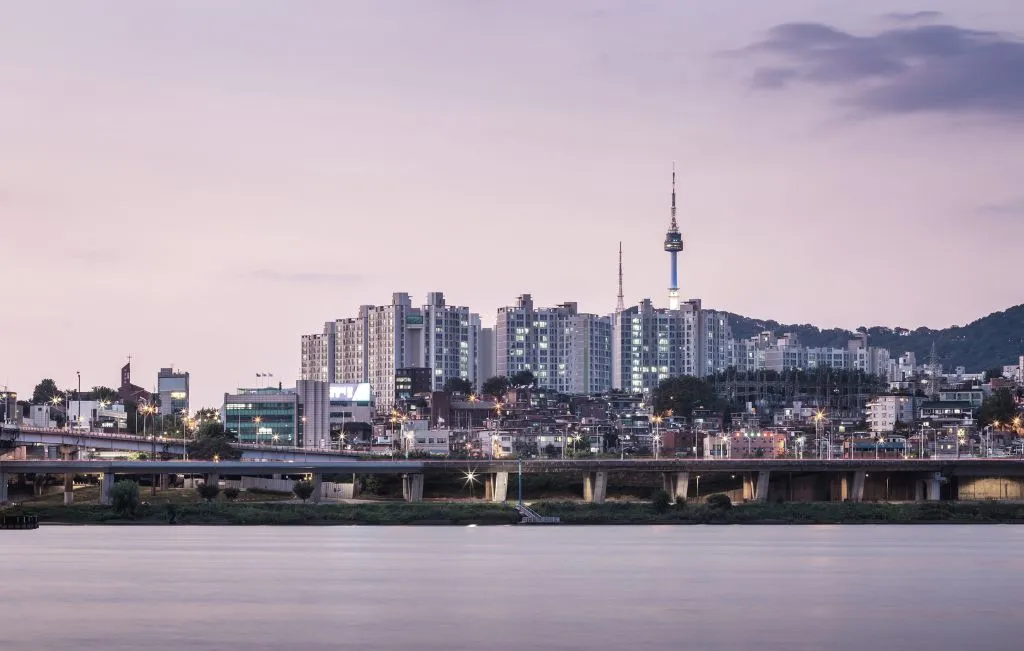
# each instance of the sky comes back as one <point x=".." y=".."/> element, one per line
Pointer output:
<point x="199" y="183"/>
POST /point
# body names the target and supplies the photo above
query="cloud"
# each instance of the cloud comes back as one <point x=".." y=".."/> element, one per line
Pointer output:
<point x="918" y="69"/>
<point x="913" y="16"/>
<point x="303" y="277"/>
<point x="1012" y="207"/>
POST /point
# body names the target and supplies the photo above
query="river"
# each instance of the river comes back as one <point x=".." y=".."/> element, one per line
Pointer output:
<point x="841" y="588"/>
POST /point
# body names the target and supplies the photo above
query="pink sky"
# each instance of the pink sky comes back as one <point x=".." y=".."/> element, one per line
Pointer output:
<point x="200" y="183"/>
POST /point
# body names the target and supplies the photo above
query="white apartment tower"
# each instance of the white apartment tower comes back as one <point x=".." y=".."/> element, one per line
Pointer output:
<point x="565" y="350"/>
<point x="372" y="346"/>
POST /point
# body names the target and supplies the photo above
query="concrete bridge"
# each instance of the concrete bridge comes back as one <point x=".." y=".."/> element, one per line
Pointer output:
<point x="763" y="479"/>
<point x="53" y="439"/>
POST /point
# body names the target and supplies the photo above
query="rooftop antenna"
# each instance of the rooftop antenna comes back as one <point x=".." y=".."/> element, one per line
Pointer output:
<point x="621" y="305"/>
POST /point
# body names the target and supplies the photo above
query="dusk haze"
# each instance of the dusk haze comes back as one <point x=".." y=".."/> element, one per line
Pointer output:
<point x="197" y="184"/>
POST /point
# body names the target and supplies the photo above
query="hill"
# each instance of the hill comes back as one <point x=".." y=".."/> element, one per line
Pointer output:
<point x="994" y="340"/>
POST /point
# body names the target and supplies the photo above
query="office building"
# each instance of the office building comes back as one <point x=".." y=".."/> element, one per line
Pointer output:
<point x="172" y="387"/>
<point x="329" y="410"/>
<point x="266" y="416"/>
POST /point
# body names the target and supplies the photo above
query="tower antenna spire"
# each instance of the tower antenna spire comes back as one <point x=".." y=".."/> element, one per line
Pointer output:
<point x="674" y="226"/>
<point x="673" y="245"/>
<point x="621" y="305"/>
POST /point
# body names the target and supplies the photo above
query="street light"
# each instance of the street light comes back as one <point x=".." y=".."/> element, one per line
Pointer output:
<point x="257" y="420"/>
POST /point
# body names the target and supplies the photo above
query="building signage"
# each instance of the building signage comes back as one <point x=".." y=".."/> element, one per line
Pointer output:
<point x="350" y="392"/>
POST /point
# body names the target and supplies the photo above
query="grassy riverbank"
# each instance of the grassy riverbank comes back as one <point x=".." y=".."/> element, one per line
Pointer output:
<point x="463" y="513"/>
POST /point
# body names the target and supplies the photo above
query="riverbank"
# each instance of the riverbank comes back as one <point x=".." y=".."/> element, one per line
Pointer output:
<point x="574" y="513"/>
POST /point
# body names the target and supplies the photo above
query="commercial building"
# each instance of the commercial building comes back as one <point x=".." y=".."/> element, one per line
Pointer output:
<point x="172" y="387"/>
<point x="331" y="411"/>
<point x="9" y="407"/>
<point x="268" y="416"/>
<point x="566" y="350"/>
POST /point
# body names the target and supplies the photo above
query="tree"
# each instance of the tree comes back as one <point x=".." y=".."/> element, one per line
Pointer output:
<point x="550" y="450"/>
<point x="303" y="490"/>
<point x="661" y="501"/>
<point x="997" y="407"/>
<point x="681" y="395"/>
<point x="719" y="501"/>
<point x="105" y="393"/>
<point x="205" y="414"/>
<point x="992" y="373"/>
<point x="213" y="441"/>
<point x="124" y="497"/>
<point x="496" y="386"/>
<point x="208" y="491"/>
<point x="457" y="385"/>
<point x="45" y="392"/>
<point x="523" y="379"/>
<point x="231" y="493"/>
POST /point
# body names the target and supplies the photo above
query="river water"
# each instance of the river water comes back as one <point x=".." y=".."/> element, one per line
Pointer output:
<point x="856" y="588"/>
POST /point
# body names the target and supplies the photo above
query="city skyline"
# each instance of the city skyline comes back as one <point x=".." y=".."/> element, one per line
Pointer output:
<point x="202" y="206"/>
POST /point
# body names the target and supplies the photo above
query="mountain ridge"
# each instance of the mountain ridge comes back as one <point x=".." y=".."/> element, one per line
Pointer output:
<point x="990" y="341"/>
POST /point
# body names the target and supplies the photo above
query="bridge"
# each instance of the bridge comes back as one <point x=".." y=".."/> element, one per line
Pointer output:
<point x="121" y="442"/>
<point x="762" y="479"/>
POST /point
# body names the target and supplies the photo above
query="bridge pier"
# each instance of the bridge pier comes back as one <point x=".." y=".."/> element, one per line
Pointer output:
<point x="761" y="488"/>
<point x="676" y="484"/>
<point x="213" y="478"/>
<point x="857" y="494"/>
<point x="106" y="484"/>
<point x="934" y="484"/>
<point x="412" y="487"/>
<point x="318" y="488"/>
<point x="595" y="486"/>
<point x="496" y="487"/>
<point x="3" y="487"/>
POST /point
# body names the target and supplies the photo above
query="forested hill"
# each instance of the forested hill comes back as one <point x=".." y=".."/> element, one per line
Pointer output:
<point x="994" y="340"/>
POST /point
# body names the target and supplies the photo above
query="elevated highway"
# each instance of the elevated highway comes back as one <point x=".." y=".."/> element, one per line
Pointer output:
<point x="762" y="479"/>
<point x="111" y="441"/>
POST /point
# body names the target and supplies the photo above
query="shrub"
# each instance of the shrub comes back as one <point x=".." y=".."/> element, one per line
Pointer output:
<point x="661" y="501"/>
<point x="208" y="491"/>
<point x="124" y="497"/>
<point x="719" y="501"/>
<point x="303" y="490"/>
<point x="231" y="493"/>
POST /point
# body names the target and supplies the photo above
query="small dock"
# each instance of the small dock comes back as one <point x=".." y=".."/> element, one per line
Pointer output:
<point x="19" y="522"/>
<point x="532" y="517"/>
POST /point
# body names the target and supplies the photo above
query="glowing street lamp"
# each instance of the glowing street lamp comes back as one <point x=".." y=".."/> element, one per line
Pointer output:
<point x="257" y="420"/>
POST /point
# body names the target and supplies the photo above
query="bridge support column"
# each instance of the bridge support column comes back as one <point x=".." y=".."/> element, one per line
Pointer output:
<point x="106" y="484"/>
<point x="499" y="486"/>
<point x="919" y="489"/>
<point x="67" y="453"/>
<point x="318" y="487"/>
<point x="761" y="489"/>
<point x="934" y="484"/>
<point x="3" y="487"/>
<point x="412" y="487"/>
<point x="858" y="486"/>
<point x="676" y="484"/>
<point x="213" y="478"/>
<point x="595" y="486"/>
<point x="748" y="487"/>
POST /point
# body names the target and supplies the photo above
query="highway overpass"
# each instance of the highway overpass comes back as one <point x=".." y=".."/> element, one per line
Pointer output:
<point x="762" y="479"/>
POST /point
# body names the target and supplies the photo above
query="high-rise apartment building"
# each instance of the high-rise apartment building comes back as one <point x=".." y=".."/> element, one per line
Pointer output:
<point x="566" y="350"/>
<point x="372" y="346"/>
<point x="653" y="344"/>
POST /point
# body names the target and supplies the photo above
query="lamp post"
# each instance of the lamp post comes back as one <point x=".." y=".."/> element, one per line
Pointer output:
<point x="257" y="420"/>
<point x="657" y="433"/>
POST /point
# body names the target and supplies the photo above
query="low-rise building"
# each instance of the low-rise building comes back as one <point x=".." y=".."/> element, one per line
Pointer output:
<point x="264" y="416"/>
<point x="884" y="412"/>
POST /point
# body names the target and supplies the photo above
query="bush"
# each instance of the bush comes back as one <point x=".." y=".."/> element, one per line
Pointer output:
<point x="719" y="501"/>
<point x="661" y="501"/>
<point x="208" y="491"/>
<point x="303" y="490"/>
<point x="231" y="493"/>
<point x="124" y="497"/>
